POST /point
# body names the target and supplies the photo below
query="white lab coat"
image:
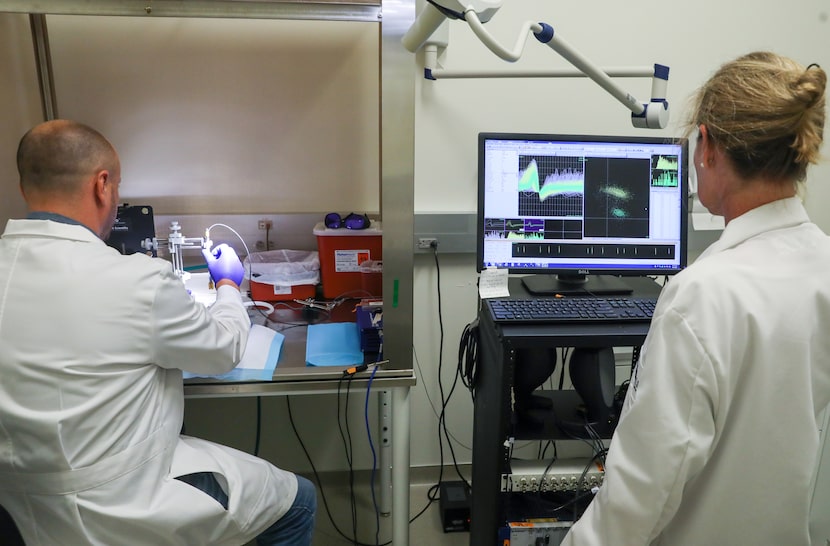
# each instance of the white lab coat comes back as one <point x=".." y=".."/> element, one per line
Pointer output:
<point x="92" y="344"/>
<point x="718" y="436"/>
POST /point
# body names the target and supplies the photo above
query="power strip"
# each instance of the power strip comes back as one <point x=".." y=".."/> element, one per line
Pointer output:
<point x="542" y="476"/>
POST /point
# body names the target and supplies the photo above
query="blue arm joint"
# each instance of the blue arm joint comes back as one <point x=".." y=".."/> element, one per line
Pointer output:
<point x="546" y="34"/>
<point x="661" y="71"/>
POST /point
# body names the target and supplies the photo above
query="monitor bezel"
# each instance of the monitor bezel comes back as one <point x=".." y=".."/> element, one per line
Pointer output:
<point x="483" y="137"/>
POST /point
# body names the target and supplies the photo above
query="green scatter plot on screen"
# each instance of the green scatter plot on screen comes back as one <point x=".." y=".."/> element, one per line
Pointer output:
<point x="616" y="191"/>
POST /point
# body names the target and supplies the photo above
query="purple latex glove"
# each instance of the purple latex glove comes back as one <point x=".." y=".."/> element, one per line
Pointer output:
<point x="223" y="263"/>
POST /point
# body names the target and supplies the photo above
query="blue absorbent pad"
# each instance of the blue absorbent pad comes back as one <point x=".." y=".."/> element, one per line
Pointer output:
<point x="333" y="344"/>
<point x="261" y="356"/>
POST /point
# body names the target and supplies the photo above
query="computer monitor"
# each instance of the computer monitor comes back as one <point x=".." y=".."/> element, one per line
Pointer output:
<point x="582" y="212"/>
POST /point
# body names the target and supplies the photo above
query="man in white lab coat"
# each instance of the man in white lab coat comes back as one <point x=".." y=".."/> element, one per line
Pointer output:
<point x="92" y="344"/>
<point x="718" y="436"/>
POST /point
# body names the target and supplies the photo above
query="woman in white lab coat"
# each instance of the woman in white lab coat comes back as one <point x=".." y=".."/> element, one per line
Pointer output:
<point x="92" y="344"/>
<point x="718" y="437"/>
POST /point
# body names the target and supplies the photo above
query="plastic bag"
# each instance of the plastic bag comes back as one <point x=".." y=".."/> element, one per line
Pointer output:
<point x="283" y="267"/>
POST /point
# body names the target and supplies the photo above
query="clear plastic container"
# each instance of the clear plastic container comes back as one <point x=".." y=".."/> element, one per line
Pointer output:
<point x="371" y="277"/>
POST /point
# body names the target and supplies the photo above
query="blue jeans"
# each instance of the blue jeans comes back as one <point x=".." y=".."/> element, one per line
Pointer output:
<point x="294" y="528"/>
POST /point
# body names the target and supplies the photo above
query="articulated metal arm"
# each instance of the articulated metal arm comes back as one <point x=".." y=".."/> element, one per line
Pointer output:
<point x="650" y="115"/>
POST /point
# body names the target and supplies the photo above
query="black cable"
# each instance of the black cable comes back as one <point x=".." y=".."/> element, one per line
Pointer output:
<point x="347" y="447"/>
<point x="544" y="452"/>
<point x="353" y="540"/>
<point x="258" y="425"/>
<point x="349" y="375"/>
<point x="319" y="481"/>
<point x="598" y="455"/>
<point x="430" y="499"/>
<point x="442" y="423"/>
<point x="599" y="451"/>
<point x="599" y="447"/>
<point x="260" y="311"/>
<point x="351" y="461"/>
<point x="547" y="443"/>
<point x="468" y="357"/>
<point x="547" y="469"/>
<point x="579" y="496"/>
<point x="447" y="432"/>
<point x="432" y="404"/>
<point x="450" y="14"/>
<point x="434" y="490"/>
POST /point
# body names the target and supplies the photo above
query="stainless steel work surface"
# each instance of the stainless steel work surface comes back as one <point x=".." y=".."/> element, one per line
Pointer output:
<point x="292" y="375"/>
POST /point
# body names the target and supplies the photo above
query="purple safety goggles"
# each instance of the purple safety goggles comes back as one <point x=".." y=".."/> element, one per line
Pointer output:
<point x="352" y="221"/>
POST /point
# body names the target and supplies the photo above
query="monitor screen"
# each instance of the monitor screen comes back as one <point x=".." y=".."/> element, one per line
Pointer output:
<point x="582" y="210"/>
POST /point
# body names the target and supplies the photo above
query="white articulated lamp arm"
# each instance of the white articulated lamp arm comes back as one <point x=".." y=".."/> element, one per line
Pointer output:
<point x="651" y="115"/>
<point x="478" y="29"/>
<point x="436" y="12"/>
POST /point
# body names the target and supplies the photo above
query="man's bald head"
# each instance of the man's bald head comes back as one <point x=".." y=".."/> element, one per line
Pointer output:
<point x="54" y="157"/>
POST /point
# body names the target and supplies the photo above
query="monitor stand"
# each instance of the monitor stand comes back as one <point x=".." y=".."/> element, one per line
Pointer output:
<point x="572" y="285"/>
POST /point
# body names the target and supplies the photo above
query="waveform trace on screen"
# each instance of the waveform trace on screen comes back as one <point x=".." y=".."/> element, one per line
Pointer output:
<point x="517" y="229"/>
<point x="664" y="172"/>
<point x="666" y="163"/>
<point x="560" y="181"/>
<point x="551" y="185"/>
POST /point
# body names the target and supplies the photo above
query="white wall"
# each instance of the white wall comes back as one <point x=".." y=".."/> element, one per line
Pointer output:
<point x="228" y="115"/>
<point x="19" y="105"/>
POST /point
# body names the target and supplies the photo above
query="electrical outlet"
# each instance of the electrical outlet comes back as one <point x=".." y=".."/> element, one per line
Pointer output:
<point x="264" y="225"/>
<point x="425" y="243"/>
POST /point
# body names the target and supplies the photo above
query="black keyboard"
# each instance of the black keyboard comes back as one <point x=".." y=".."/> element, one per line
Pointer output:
<point x="572" y="309"/>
